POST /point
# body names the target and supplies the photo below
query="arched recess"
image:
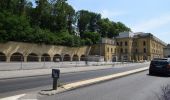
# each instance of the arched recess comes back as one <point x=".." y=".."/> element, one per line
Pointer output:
<point x="57" y="58"/>
<point x="45" y="57"/>
<point x="67" y="57"/>
<point x="83" y="58"/>
<point x="32" y="57"/>
<point x="75" y="58"/>
<point x="2" y="57"/>
<point x="16" y="57"/>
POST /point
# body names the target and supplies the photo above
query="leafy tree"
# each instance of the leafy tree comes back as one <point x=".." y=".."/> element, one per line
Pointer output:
<point x="87" y="21"/>
<point x="93" y="36"/>
<point x="51" y="22"/>
<point x="104" y="26"/>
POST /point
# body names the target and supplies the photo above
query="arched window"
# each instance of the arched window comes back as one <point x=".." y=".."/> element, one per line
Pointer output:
<point x="126" y="43"/>
<point x="57" y="58"/>
<point x="2" y="57"/>
<point x="67" y="58"/>
<point x="144" y="43"/>
<point x="32" y="57"/>
<point x="144" y="50"/>
<point x="75" y="58"/>
<point x="17" y="57"/>
<point x="83" y="58"/>
<point x="45" y="57"/>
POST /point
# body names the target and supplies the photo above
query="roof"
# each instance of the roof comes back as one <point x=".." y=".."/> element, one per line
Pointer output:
<point x="139" y="35"/>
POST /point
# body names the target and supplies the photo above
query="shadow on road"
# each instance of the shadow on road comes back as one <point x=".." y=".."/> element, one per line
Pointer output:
<point x="159" y="75"/>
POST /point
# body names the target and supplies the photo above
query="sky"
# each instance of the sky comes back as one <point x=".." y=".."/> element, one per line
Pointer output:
<point x="151" y="16"/>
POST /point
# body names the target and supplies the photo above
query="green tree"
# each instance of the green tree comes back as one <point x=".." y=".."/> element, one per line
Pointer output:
<point x="87" y="21"/>
<point x="104" y="26"/>
<point x="63" y="15"/>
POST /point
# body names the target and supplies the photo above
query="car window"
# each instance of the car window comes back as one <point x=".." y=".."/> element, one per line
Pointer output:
<point x="159" y="63"/>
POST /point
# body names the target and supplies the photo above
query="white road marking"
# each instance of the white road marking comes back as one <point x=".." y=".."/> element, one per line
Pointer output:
<point x="16" y="97"/>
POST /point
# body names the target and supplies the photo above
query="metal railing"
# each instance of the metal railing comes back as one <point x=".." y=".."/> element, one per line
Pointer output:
<point x="19" y="62"/>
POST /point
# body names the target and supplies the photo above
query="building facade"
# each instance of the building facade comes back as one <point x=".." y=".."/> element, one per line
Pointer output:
<point x="167" y="51"/>
<point x="104" y="50"/>
<point x="29" y="52"/>
<point x="138" y="46"/>
<point x="127" y="46"/>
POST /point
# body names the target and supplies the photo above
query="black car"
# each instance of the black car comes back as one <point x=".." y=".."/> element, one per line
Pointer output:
<point x="160" y="66"/>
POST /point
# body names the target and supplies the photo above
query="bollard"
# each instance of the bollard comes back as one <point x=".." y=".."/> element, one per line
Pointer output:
<point x="55" y="76"/>
<point x="55" y="83"/>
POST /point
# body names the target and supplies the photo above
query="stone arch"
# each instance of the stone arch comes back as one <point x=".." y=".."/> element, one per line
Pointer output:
<point x="75" y="58"/>
<point x="32" y="57"/>
<point x="45" y="57"/>
<point x="2" y="57"/>
<point x="16" y="57"/>
<point x="57" y="58"/>
<point x="83" y="58"/>
<point x="67" y="57"/>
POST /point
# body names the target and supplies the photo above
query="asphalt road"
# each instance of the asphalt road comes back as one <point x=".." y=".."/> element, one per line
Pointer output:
<point x="21" y="85"/>
<point x="133" y="87"/>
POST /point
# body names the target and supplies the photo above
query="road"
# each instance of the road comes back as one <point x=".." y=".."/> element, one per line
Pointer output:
<point x="21" y="85"/>
<point x="133" y="87"/>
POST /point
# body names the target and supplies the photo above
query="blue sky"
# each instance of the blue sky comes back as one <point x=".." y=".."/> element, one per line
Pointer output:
<point x="140" y="15"/>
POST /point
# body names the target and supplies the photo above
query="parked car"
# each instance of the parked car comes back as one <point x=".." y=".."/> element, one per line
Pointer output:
<point x="160" y="66"/>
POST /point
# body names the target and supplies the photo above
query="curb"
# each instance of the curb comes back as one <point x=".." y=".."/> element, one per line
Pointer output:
<point x="84" y="83"/>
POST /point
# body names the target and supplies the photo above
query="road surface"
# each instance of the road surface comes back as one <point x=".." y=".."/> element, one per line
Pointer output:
<point x="139" y="86"/>
<point x="21" y="85"/>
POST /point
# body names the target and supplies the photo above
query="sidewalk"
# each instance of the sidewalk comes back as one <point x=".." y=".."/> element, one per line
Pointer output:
<point x="39" y="72"/>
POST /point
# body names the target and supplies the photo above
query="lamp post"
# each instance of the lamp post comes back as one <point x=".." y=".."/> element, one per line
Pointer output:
<point x="100" y="43"/>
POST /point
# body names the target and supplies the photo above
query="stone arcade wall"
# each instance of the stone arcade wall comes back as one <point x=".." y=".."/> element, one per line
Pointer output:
<point x="9" y="49"/>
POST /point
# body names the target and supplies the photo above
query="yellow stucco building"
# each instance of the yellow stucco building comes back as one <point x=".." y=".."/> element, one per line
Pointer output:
<point x="127" y="46"/>
<point x="138" y="46"/>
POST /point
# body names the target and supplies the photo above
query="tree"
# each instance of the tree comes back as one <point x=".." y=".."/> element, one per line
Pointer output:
<point x="104" y="26"/>
<point x="87" y="21"/>
<point x="111" y="29"/>
<point x="62" y="16"/>
<point x="51" y="22"/>
<point x="121" y="27"/>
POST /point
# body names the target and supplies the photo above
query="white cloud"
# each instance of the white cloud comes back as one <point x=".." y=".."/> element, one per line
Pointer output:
<point x="152" y="24"/>
<point x="111" y="13"/>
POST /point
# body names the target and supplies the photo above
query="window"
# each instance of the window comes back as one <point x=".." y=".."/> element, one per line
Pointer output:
<point x="107" y="49"/>
<point x="126" y="51"/>
<point x="111" y="50"/>
<point x="121" y="51"/>
<point x="136" y="50"/>
<point x="144" y="50"/>
<point x="117" y="43"/>
<point x="144" y="43"/>
<point x="120" y="43"/>
<point x="126" y="43"/>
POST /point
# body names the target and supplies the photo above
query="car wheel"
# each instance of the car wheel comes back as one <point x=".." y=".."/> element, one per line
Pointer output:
<point x="150" y="73"/>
